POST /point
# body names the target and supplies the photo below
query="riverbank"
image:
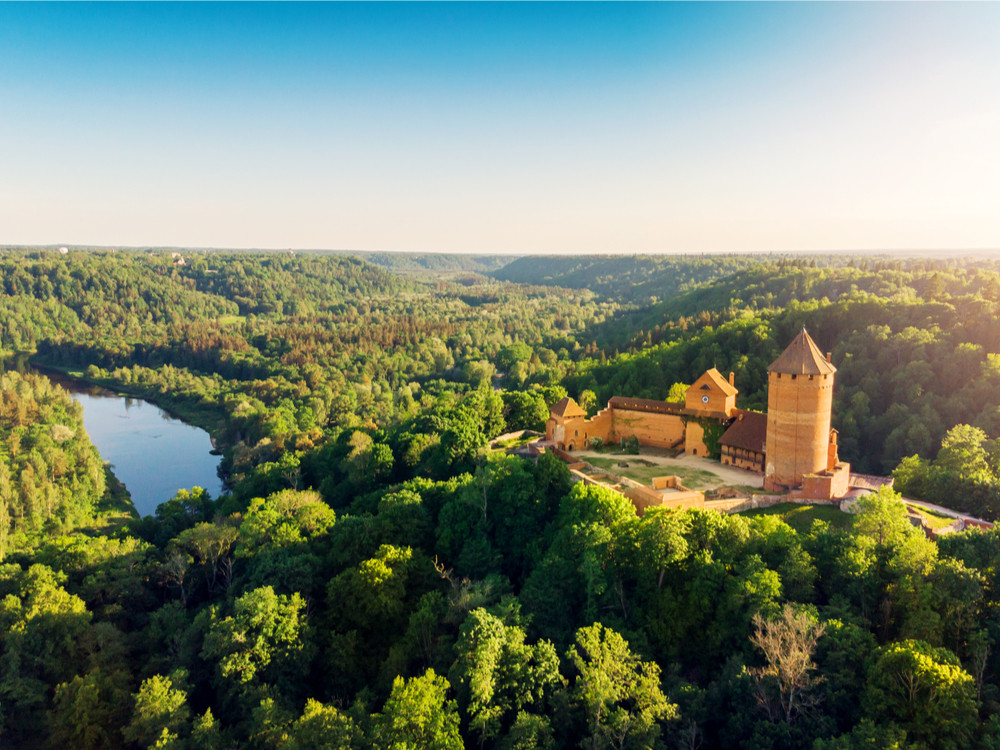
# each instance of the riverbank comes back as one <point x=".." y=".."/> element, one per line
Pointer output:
<point x="210" y="421"/>
<point x="155" y="446"/>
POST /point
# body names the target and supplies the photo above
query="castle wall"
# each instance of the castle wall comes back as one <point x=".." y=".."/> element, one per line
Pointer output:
<point x="694" y="440"/>
<point x="601" y="426"/>
<point x="661" y="430"/>
<point x="552" y="426"/>
<point x="826" y="485"/>
<point x="644" y="497"/>
<point x="576" y="434"/>
<point x="798" y="427"/>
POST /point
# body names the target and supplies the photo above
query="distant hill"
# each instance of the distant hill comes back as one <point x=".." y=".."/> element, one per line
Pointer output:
<point x="650" y="279"/>
<point x="434" y="262"/>
<point x="402" y="262"/>
<point x="643" y="279"/>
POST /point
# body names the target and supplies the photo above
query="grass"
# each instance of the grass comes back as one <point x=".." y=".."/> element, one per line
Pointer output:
<point x="228" y="320"/>
<point x="934" y="520"/>
<point x="515" y="442"/>
<point x="115" y="508"/>
<point x="801" y="517"/>
<point x="643" y="471"/>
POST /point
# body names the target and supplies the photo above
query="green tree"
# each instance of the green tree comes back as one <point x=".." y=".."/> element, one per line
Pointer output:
<point x="160" y="708"/>
<point x="882" y="517"/>
<point x="677" y="393"/>
<point x="323" y="727"/>
<point x="266" y="639"/>
<point x="210" y="545"/>
<point x="524" y="410"/>
<point x="619" y="694"/>
<point x="418" y="716"/>
<point x="89" y="711"/>
<point x="498" y="677"/>
<point x="924" y="690"/>
<point x="511" y="354"/>
<point x="963" y="452"/>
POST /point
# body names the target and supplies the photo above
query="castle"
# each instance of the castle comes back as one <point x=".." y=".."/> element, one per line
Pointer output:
<point x="792" y="445"/>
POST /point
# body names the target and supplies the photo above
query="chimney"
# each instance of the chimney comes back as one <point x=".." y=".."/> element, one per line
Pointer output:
<point x="829" y="357"/>
<point x="732" y="378"/>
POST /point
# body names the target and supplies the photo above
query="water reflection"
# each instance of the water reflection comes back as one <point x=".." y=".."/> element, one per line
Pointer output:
<point x="152" y="453"/>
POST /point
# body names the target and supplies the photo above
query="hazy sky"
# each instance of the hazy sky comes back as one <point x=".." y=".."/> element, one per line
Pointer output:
<point x="502" y="127"/>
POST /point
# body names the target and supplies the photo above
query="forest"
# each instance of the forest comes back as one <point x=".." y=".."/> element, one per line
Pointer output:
<point x="377" y="576"/>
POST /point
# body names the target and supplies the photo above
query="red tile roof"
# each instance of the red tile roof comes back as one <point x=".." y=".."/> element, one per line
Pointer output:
<point x="747" y="431"/>
<point x="802" y="357"/>
<point x="567" y="407"/>
<point x="718" y="381"/>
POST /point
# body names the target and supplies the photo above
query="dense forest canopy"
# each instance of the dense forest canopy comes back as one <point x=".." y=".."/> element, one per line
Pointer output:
<point x="376" y="576"/>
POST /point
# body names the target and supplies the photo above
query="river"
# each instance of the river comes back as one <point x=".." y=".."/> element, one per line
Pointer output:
<point x="151" y="453"/>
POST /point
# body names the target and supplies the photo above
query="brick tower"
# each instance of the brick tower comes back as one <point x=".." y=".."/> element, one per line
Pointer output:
<point x="799" y="402"/>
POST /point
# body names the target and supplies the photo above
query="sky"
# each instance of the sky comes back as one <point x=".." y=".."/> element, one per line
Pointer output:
<point x="502" y="128"/>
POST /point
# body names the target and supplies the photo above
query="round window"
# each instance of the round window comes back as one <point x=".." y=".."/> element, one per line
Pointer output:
<point x="704" y="399"/>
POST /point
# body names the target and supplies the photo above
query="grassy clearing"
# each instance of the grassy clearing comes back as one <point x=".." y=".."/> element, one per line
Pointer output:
<point x="515" y="442"/>
<point x="801" y="517"/>
<point x="933" y="519"/>
<point x="644" y="471"/>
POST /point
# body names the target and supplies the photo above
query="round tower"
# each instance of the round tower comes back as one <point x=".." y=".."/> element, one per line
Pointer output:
<point x="799" y="403"/>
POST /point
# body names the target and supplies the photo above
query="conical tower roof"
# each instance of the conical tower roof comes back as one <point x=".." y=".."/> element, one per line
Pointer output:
<point x="802" y="357"/>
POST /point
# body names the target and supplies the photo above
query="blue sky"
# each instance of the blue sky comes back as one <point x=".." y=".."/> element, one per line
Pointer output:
<point x="530" y="127"/>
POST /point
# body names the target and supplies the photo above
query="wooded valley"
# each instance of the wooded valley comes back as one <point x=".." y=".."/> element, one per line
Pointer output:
<point x="377" y="577"/>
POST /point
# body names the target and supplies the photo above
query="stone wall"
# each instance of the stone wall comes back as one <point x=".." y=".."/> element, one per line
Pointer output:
<point x="694" y="440"/>
<point x="650" y="428"/>
<point x="643" y="497"/>
<point x="826" y="485"/>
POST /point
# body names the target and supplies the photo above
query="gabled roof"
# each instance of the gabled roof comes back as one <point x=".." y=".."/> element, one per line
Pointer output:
<point x="802" y="357"/>
<point x="566" y="407"/>
<point x="716" y="379"/>
<point x="747" y="431"/>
